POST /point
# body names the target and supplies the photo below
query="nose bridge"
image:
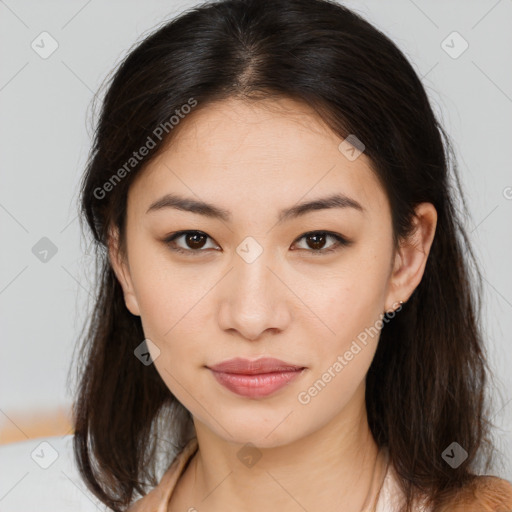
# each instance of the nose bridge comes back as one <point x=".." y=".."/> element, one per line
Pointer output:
<point x="253" y="279"/>
<point x="251" y="270"/>
<point x="255" y="299"/>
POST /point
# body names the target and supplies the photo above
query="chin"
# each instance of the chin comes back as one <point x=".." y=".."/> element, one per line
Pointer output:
<point x="262" y="433"/>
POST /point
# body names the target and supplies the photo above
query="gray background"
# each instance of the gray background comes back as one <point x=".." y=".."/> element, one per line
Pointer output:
<point x="45" y="132"/>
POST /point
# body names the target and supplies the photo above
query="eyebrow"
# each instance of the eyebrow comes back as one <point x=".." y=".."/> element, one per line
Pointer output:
<point x="215" y="212"/>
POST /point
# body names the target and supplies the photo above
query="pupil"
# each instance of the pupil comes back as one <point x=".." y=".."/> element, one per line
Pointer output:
<point x="317" y="245"/>
<point x="194" y="244"/>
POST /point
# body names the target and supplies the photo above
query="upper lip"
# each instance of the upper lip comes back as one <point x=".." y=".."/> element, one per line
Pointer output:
<point x="248" y="367"/>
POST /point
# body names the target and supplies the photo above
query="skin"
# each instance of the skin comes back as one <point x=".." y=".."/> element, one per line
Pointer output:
<point x="254" y="159"/>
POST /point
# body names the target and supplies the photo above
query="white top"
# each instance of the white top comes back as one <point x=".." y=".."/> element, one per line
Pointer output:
<point x="391" y="495"/>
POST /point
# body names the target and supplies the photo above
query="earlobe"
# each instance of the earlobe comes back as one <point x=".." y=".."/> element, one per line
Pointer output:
<point x="122" y="272"/>
<point x="412" y="254"/>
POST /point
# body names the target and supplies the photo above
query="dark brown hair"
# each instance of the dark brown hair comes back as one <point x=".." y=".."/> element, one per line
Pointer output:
<point x="426" y="387"/>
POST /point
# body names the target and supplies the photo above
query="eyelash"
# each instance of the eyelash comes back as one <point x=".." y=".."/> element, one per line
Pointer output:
<point x="340" y="242"/>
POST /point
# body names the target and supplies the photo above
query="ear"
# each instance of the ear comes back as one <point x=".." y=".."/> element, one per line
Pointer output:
<point x="411" y="257"/>
<point x="122" y="271"/>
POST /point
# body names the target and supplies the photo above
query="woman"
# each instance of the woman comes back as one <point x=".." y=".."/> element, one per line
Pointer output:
<point x="285" y="298"/>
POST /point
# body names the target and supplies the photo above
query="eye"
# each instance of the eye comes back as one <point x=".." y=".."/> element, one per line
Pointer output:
<point x="195" y="240"/>
<point x="318" y="238"/>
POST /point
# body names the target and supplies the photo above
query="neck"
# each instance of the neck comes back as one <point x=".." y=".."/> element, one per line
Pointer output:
<point x="331" y="466"/>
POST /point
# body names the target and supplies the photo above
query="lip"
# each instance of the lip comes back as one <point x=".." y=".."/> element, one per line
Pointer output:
<point x="239" y="365"/>
<point x="257" y="378"/>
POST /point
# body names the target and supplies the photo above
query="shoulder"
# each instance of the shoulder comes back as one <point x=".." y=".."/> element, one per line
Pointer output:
<point x="483" y="494"/>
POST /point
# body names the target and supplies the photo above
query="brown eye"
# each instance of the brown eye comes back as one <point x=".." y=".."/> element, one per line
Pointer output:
<point x="316" y="241"/>
<point x="194" y="242"/>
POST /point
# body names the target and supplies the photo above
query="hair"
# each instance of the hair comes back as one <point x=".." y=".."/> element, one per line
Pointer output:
<point x="426" y="386"/>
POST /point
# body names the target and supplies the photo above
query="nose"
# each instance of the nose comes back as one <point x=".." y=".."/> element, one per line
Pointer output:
<point x="255" y="299"/>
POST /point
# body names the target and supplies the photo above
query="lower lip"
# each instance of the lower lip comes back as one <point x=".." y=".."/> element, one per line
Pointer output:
<point x="256" y="386"/>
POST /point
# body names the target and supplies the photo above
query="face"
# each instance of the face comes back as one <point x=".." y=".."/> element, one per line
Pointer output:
<point x="302" y="288"/>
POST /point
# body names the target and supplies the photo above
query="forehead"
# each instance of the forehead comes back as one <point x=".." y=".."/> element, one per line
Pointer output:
<point x="269" y="151"/>
<point x="267" y="131"/>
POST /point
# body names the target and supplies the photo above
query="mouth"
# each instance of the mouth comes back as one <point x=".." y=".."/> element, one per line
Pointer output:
<point x="255" y="379"/>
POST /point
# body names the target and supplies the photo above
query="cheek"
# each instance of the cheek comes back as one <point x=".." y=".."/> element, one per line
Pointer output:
<point x="172" y="310"/>
<point x="168" y="294"/>
<point x="341" y="357"/>
<point x="351" y="308"/>
<point x="351" y="298"/>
